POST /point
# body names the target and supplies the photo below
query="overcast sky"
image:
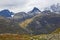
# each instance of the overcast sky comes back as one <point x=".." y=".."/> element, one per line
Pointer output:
<point x="25" y="5"/>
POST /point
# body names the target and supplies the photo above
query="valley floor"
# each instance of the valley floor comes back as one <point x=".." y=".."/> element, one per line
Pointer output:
<point x="29" y="37"/>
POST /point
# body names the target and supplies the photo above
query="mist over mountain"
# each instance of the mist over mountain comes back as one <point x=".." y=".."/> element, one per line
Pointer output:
<point x="54" y="8"/>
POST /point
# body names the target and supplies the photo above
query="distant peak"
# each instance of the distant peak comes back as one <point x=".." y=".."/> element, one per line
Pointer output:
<point x="6" y="13"/>
<point x="35" y="9"/>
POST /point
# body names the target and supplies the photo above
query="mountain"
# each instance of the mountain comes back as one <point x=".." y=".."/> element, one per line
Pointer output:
<point x="20" y="16"/>
<point x="34" y="22"/>
<point x="44" y="24"/>
<point x="33" y="12"/>
<point x="40" y="24"/>
<point x="6" y="13"/>
<point x="8" y="26"/>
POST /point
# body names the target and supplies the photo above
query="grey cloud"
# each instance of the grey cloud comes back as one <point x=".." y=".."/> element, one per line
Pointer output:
<point x="25" y="5"/>
<point x="13" y="3"/>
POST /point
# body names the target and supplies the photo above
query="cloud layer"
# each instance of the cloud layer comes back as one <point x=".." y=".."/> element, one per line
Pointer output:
<point x="25" y="5"/>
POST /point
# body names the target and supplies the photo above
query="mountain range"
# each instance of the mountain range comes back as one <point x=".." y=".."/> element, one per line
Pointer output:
<point x="33" y="22"/>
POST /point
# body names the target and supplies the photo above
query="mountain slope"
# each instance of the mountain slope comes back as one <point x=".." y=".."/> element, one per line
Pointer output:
<point x="57" y="31"/>
<point x="8" y="26"/>
<point x="44" y="24"/>
<point x="21" y="16"/>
